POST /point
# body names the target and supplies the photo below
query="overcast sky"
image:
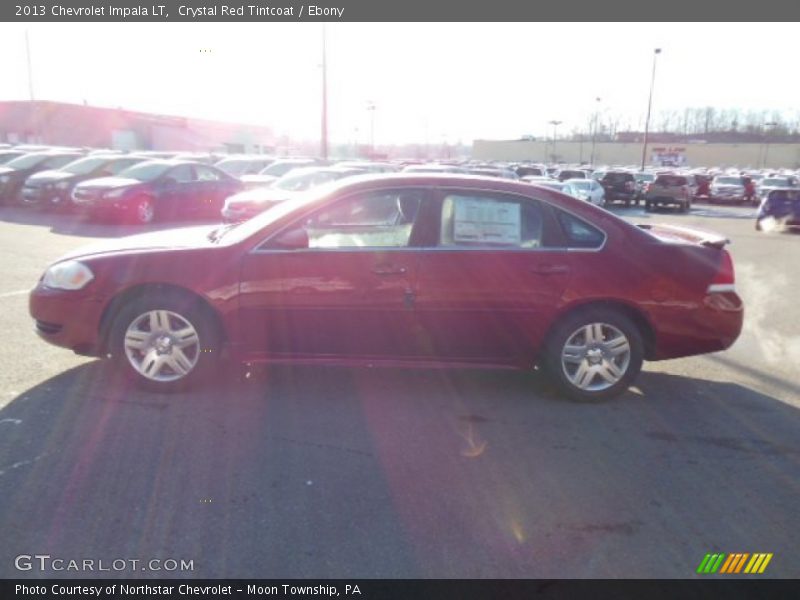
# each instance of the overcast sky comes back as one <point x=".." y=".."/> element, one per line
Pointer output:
<point x="429" y="82"/>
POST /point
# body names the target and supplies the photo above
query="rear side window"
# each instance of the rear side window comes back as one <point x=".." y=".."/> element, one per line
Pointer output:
<point x="579" y="233"/>
<point x="618" y="177"/>
<point x="478" y="220"/>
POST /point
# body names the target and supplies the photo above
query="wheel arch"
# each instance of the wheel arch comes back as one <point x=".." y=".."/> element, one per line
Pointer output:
<point x="635" y="314"/>
<point x="144" y="290"/>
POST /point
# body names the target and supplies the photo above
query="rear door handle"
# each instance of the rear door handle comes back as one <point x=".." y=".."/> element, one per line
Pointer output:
<point x="388" y="270"/>
<point x="550" y="269"/>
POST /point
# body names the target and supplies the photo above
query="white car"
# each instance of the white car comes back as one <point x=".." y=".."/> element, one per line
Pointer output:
<point x="586" y="189"/>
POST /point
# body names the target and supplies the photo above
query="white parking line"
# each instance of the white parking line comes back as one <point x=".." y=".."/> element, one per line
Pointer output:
<point x="17" y="293"/>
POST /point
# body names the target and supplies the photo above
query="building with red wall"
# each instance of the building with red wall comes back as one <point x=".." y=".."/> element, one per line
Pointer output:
<point x="62" y="124"/>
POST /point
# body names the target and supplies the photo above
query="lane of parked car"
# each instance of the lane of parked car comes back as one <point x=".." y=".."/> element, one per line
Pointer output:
<point x="145" y="186"/>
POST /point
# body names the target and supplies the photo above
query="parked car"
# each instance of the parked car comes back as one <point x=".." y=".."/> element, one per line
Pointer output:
<point x="564" y="174"/>
<point x="586" y="189"/>
<point x="53" y="188"/>
<point x="355" y="274"/>
<point x="237" y="166"/>
<point x="530" y="170"/>
<point x="276" y="169"/>
<point x="548" y="182"/>
<point x="7" y="155"/>
<point x="779" y="209"/>
<point x="433" y="168"/>
<point x="768" y="184"/>
<point x="369" y="166"/>
<point x="493" y="172"/>
<point x="642" y="180"/>
<point x="668" y="190"/>
<point x="728" y="189"/>
<point x="249" y="203"/>
<point x="14" y="173"/>
<point x="618" y="185"/>
<point x="159" y="189"/>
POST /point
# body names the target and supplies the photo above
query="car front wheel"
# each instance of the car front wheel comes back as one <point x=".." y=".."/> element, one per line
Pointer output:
<point x="594" y="354"/>
<point x="144" y="211"/>
<point x="164" y="344"/>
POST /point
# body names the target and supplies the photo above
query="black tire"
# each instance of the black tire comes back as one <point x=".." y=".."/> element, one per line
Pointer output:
<point x="684" y="206"/>
<point x="627" y="203"/>
<point x="571" y="325"/>
<point x="205" y="356"/>
<point x="758" y="225"/>
<point x="648" y="206"/>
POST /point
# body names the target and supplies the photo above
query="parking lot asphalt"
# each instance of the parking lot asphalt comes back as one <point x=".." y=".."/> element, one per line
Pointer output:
<point x="343" y="473"/>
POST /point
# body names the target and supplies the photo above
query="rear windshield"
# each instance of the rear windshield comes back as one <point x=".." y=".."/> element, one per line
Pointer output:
<point x="670" y="180"/>
<point x="729" y="180"/>
<point x="618" y="177"/>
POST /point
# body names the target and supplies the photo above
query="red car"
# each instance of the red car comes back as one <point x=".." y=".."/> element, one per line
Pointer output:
<point x="401" y="270"/>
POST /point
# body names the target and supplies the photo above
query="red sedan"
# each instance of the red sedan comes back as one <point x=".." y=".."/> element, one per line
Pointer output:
<point x="401" y="270"/>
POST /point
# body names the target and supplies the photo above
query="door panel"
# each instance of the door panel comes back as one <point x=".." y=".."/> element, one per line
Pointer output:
<point x="491" y="288"/>
<point x="349" y="294"/>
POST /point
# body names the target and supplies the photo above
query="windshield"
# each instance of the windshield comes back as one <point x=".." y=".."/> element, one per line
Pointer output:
<point x="296" y="182"/>
<point x="581" y="185"/>
<point x="281" y="168"/>
<point x="27" y="161"/>
<point x="82" y="166"/>
<point x="776" y="182"/>
<point x="145" y="171"/>
<point x="645" y="177"/>
<point x="729" y="180"/>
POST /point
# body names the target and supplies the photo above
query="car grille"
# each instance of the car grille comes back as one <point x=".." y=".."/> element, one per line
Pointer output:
<point x="48" y="328"/>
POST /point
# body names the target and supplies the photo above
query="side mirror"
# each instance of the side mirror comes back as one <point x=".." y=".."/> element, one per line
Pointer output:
<point x="294" y="239"/>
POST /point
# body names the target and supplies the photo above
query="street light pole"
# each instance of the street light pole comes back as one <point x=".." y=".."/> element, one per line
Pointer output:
<point x="594" y="130"/>
<point x="656" y="52"/>
<point x="371" y="109"/>
<point x="324" y="124"/>
<point x="555" y="125"/>
<point x="766" y="141"/>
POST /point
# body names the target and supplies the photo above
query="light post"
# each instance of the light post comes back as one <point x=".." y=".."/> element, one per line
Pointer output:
<point x="555" y="125"/>
<point x="594" y="129"/>
<point x="656" y="52"/>
<point x="766" y="140"/>
<point x="324" y="123"/>
<point x="371" y="109"/>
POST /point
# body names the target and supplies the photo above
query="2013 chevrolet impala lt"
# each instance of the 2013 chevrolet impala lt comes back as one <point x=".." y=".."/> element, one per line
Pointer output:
<point x="401" y="270"/>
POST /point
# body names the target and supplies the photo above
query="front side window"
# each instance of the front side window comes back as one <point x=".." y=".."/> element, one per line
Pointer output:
<point x="182" y="174"/>
<point x="382" y="219"/>
<point x="477" y="220"/>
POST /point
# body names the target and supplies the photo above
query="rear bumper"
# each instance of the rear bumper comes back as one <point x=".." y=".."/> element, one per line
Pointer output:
<point x="711" y="326"/>
<point x="663" y="200"/>
<point x="70" y="319"/>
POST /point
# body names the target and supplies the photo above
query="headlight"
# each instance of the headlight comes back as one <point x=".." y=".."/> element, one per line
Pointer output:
<point x="116" y="193"/>
<point x="4" y="179"/>
<point x="68" y="275"/>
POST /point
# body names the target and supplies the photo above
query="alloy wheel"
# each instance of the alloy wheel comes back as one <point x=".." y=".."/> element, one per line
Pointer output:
<point x="162" y="345"/>
<point x="595" y="357"/>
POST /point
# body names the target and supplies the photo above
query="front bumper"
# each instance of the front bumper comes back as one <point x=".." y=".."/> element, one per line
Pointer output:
<point x="45" y="196"/>
<point x="68" y="318"/>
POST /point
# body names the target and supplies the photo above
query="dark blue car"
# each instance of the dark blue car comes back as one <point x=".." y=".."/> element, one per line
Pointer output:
<point x="779" y="210"/>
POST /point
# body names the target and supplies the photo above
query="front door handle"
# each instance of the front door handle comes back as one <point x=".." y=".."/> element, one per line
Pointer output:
<point x="548" y="269"/>
<point x="388" y="270"/>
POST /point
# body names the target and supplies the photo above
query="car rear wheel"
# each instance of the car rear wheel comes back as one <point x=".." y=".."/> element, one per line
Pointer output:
<point x="143" y="210"/>
<point x="165" y="343"/>
<point x="594" y="354"/>
<point x="648" y="206"/>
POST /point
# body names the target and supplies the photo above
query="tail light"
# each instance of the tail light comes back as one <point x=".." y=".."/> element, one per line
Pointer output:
<point x="647" y="187"/>
<point x="724" y="279"/>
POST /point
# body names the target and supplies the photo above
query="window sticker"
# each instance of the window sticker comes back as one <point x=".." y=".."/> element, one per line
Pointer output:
<point x="486" y="221"/>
